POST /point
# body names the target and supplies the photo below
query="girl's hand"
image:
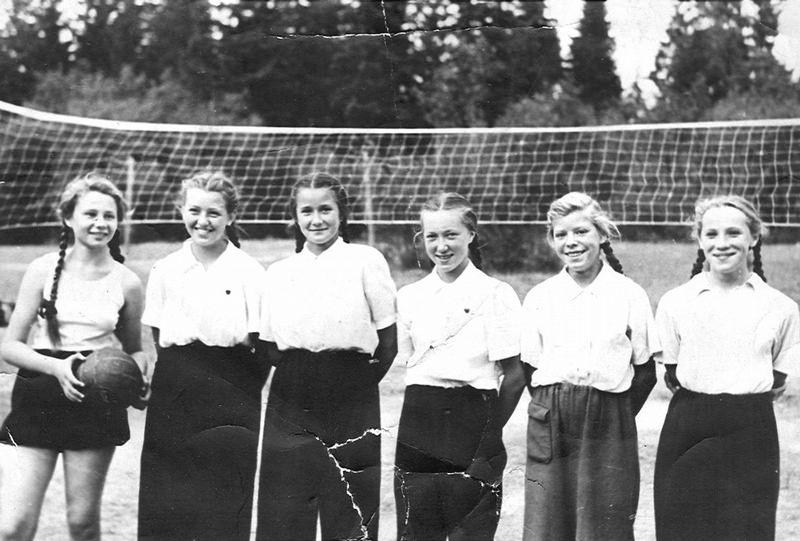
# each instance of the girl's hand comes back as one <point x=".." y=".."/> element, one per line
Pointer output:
<point x="671" y="379"/>
<point x="69" y="382"/>
<point x="778" y="385"/>
<point x="144" y="398"/>
<point x="144" y="365"/>
<point x="777" y="392"/>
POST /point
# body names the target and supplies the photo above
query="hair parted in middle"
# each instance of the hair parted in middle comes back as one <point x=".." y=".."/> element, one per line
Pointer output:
<point x="73" y="191"/>
<point x="316" y="180"/>
<point x="214" y="180"/>
<point x="754" y="223"/>
<point x="455" y="201"/>
<point x="582" y="202"/>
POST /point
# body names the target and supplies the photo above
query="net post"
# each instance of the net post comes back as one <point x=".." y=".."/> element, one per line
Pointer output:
<point x="366" y="182"/>
<point x="130" y="177"/>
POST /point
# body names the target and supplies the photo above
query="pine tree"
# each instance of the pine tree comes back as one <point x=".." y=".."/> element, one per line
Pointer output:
<point x="593" y="68"/>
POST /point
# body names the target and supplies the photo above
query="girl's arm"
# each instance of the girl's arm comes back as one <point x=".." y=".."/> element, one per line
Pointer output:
<point x="487" y="466"/>
<point x="129" y="330"/>
<point x="510" y="389"/>
<point x="670" y="377"/>
<point x="528" y="370"/>
<point x="386" y="350"/>
<point x="644" y="379"/>
<point x="129" y="324"/>
<point x="156" y="332"/>
<point x="14" y="348"/>
<point x="669" y="339"/>
<point x="643" y="336"/>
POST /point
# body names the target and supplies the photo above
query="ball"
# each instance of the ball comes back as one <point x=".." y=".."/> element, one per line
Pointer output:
<point x="112" y="376"/>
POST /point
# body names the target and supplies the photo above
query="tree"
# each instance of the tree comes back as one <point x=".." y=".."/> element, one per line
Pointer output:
<point x="109" y="34"/>
<point x="718" y="52"/>
<point x="33" y="45"/>
<point x="490" y="55"/>
<point x="593" y="68"/>
<point x="321" y="64"/>
<point x="457" y="93"/>
<point x="131" y="96"/>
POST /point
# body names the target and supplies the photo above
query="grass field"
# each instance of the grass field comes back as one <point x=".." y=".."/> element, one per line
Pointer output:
<point x="656" y="266"/>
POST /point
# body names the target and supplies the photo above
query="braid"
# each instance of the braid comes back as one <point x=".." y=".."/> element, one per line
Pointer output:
<point x="114" y="248"/>
<point x="233" y="235"/>
<point x="475" y="252"/>
<point x="47" y="308"/>
<point x="299" y="239"/>
<point x="697" y="268"/>
<point x="758" y="266"/>
<point x="610" y="257"/>
<point x="417" y="249"/>
<point x="343" y="231"/>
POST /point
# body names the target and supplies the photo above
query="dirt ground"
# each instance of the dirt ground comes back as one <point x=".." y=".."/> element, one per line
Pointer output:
<point x="121" y="492"/>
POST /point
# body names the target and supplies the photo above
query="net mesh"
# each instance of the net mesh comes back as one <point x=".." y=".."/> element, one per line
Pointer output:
<point x="642" y="174"/>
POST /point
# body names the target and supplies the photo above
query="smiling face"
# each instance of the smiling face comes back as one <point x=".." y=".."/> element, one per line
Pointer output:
<point x="447" y="241"/>
<point x="318" y="217"/>
<point x="205" y="217"/>
<point x="94" y="219"/>
<point x="726" y="240"/>
<point x="576" y="241"/>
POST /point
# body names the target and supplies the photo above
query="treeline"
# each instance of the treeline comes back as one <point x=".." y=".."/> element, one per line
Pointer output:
<point x="420" y="63"/>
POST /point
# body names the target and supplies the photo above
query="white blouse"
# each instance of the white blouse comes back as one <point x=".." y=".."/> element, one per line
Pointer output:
<point x="728" y="341"/>
<point x="588" y="336"/>
<point x="334" y="301"/>
<point x="218" y="305"/>
<point x="451" y="334"/>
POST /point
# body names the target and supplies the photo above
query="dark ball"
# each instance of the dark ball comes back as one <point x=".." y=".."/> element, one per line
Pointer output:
<point x="112" y="376"/>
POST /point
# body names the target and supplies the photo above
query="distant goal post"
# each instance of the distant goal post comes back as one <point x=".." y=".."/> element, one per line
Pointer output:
<point x="643" y="174"/>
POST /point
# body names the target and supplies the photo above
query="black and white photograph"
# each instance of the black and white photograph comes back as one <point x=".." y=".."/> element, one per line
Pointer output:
<point x="412" y="270"/>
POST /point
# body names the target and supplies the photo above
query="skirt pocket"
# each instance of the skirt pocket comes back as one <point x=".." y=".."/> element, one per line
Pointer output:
<point x="540" y="438"/>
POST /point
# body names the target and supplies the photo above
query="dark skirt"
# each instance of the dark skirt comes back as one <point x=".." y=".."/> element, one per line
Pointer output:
<point x="440" y="490"/>
<point x="716" y="474"/>
<point x="42" y="416"/>
<point x="200" y="444"/>
<point x="321" y="451"/>
<point x="582" y="475"/>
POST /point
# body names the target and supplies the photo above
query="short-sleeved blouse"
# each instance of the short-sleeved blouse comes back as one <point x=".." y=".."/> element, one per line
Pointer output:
<point x="728" y="341"/>
<point x="336" y="300"/>
<point x="589" y="336"/>
<point x="218" y="305"/>
<point x="452" y="334"/>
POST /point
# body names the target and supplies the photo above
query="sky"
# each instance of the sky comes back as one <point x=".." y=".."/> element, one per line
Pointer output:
<point x="638" y="28"/>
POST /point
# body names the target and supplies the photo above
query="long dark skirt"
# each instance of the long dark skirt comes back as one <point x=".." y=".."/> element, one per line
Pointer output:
<point x="42" y="416"/>
<point x="321" y="451"/>
<point x="442" y="432"/>
<point x="200" y="444"/>
<point x="716" y="475"/>
<point x="582" y="476"/>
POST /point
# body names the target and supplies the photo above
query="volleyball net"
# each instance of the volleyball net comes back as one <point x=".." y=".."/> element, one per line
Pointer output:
<point x="642" y="174"/>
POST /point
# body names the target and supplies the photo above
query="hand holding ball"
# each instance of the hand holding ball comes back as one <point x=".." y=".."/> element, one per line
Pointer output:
<point x="112" y="376"/>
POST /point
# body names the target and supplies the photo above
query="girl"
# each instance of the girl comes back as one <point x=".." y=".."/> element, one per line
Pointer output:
<point x="728" y="342"/>
<point x="201" y="432"/>
<point x="588" y="337"/>
<point x="459" y="335"/>
<point x="329" y="328"/>
<point x="73" y="301"/>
